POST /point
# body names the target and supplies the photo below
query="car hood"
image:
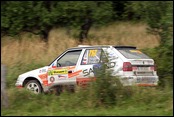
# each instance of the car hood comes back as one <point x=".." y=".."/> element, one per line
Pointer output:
<point x="35" y="72"/>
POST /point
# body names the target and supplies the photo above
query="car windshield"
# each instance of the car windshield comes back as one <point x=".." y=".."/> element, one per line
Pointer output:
<point x="133" y="54"/>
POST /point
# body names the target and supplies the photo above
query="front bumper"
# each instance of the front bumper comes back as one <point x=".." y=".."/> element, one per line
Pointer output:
<point x="18" y="84"/>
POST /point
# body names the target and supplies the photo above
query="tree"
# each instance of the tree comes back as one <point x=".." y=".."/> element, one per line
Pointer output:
<point x="159" y="17"/>
<point x="39" y="17"/>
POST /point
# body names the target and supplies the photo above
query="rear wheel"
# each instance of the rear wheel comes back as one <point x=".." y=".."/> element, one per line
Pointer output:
<point x="34" y="86"/>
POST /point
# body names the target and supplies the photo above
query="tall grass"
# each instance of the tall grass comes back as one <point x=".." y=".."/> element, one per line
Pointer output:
<point x="128" y="101"/>
<point x="30" y="47"/>
<point x="30" y="52"/>
<point x="27" y="52"/>
<point x="125" y="33"/>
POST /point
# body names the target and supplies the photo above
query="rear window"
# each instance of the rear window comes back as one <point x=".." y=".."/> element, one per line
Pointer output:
<point x="133" y="54"/>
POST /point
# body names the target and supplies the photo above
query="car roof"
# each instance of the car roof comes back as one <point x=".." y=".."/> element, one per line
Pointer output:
<point x="100" y="46"/>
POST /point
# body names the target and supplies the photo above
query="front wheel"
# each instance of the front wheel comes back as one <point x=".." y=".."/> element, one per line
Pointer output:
<point x="34" y="86"/>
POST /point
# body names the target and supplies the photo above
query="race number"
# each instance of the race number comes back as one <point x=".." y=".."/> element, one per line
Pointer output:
<point x="92" y="53"/>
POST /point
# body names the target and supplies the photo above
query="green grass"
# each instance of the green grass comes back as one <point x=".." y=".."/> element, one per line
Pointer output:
<point x="134" y="101"/>
<point x="141" y="102"/>
<point x="28" y="54"/>
<point x="116" y="111"/>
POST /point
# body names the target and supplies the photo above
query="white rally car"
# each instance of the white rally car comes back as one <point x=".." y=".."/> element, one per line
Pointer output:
<point x="76" y="65"/>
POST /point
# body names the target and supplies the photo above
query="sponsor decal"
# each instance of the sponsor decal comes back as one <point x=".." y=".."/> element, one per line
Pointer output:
<point x="111" y="54"/>
<point x="60" y="71"/>
<point x="84" y="81"/>
<point x="52" y="64"/>
<point x="42" y="70"/>
<point x="50" y="72"/>
<point x="62" y="77"/>
<point x="43" y="76"/>
<point x="87" y="72"/>
<point x="70" y="75"/>
<point x="137" y="51"/>
<point x="44" y="79"/>
<point x="52" y="79"/>
<point x="92" y="53"/>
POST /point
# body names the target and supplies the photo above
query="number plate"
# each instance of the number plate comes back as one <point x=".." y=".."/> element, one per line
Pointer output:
<point x="143" y="68"/>
<point x="144" y="73"/>
<point x="146" y="80"/>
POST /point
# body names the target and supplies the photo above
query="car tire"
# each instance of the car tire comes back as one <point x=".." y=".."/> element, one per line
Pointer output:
<point x="34" y="86"/>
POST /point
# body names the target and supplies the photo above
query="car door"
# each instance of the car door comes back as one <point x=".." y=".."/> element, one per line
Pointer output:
<point x="89" y="58"/>
<point x="63" y="69"/>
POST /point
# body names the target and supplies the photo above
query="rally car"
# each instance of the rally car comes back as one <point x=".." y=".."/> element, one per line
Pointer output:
<point x="76" y="66"/>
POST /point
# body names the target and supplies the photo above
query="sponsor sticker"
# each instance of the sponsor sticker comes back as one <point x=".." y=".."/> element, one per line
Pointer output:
<point x="60" y="71"/>
<point x="137" y="51"/>
<point x="42" y="70"/>
<point x="62" y="77"/>
<point x="92" y="53"/>
<point x="52" y="79"/>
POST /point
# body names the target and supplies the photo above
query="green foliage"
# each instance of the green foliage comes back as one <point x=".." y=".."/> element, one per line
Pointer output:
<point x="86" y="101"/>
<point x="39" y="15"/>
<point x="149" y="11"/>
<point x="165" y="50"/>
<point x="104" y="89"/>
<point x="19" y="68"/>
<point x="152" y="12"/>
<point x="101" y="97"/>
<point x="159" y="17"/>
<point x="119" y="9"/>
<point x="107" y="90"/>
<point x="163" y="57"/>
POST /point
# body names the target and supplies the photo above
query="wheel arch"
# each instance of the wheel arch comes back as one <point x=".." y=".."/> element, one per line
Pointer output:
<point x="31" y="78"/>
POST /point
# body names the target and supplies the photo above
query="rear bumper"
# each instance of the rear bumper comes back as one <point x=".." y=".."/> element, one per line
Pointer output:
<point x="147" y="85"/>
<point x="139" y="80"/>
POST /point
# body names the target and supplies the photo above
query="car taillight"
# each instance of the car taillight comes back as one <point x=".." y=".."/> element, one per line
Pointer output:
<point x="153" y="68"/>
<point x="127" y="66"/>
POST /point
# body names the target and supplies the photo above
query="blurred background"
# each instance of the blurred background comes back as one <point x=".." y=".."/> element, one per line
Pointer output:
<point x="33" y="33"/>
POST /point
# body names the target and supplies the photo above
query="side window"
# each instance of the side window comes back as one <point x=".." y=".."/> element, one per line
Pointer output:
<point x="103" y="58"/>
<point x="69" y="59"/>
<point x="91" y="56"/>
